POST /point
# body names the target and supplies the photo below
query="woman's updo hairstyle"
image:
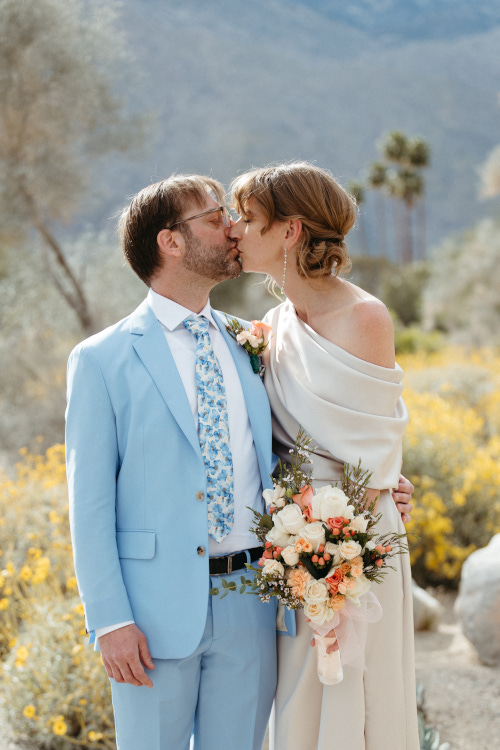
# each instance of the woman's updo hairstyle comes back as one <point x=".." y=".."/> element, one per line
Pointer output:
<point x="302" y="191"/>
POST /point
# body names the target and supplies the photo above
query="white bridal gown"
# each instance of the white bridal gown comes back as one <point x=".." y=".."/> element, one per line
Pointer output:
<point x="352" y="409"/>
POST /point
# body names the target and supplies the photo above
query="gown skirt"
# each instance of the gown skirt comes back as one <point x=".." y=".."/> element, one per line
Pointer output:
<point x="352" y="410"/>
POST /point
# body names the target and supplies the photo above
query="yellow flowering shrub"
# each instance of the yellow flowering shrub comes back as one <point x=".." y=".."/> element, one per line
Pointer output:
<point x="451" y="454"/>
<point x="56" y="689"/>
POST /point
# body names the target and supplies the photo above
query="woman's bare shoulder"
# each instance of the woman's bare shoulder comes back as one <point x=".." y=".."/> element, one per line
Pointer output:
<point x="372" y="331"/>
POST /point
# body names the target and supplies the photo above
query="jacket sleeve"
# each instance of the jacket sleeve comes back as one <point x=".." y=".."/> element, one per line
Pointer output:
<point x="92" y="461"/>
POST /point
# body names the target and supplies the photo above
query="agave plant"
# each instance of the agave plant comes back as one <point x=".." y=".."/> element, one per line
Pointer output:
<point x="429" y="737"/>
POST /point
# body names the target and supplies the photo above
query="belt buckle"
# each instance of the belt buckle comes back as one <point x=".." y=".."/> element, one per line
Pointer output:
<point x="229" y="564"/>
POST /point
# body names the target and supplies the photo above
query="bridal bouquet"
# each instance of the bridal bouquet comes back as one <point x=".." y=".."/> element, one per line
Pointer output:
<point x="321" y="553"/>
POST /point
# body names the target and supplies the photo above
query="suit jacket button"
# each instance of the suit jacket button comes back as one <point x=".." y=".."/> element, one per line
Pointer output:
<point x="201" y="551"/>
<point x="200" y="495"/>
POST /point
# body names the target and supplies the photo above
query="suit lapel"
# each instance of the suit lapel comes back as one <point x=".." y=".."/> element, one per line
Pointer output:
<point x="152" y="348"/>
<point x="256" y="400"/>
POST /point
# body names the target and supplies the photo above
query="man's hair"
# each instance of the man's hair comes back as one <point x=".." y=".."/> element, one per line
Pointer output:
<point x="158" y="207"/>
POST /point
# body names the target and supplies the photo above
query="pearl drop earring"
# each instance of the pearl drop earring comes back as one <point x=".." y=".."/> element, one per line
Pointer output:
<point x="284" y="275"/>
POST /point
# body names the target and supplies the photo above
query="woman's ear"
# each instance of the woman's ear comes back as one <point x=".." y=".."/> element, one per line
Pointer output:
<point x="294" y="230"/>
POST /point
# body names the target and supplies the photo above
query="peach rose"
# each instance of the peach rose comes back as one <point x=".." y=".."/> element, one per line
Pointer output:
<point x="303" y="545"/>
<point x="357" y="566"/>
<point x="337" y="603"/>
<point x="347" y="584"/>
<point x="333" y="581"/>
<point x="261" y="330"/>
<point x="304" y="499"/>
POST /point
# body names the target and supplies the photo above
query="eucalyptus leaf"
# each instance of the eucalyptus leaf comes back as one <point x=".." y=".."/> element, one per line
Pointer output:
<point x="214" y="592"/>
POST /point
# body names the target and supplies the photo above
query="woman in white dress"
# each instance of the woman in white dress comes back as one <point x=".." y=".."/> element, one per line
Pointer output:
<point x="331" y="369"/>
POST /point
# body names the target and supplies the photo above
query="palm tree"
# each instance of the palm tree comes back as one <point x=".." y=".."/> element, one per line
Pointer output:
<point x="406" y="185"/>
<point x="419" y="157"/>
<point x="376" y="179"/>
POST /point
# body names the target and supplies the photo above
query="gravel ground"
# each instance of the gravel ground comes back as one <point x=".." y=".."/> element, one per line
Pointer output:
<point x="462" y="696"/>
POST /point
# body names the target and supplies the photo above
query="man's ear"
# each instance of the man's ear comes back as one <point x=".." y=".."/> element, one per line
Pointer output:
<point x="170" y="242"/>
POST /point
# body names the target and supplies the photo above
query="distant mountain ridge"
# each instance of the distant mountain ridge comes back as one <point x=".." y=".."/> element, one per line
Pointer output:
<point x="240" y="83"/>
<point x="412" y="19"/>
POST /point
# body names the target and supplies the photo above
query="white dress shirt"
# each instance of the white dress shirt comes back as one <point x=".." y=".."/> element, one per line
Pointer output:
<point x="247" y="488"/>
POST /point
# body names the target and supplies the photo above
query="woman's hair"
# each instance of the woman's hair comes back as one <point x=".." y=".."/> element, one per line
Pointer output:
<point x="302" y="191"/>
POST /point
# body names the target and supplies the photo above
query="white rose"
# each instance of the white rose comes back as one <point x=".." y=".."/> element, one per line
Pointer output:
<point x="362" y="586"/>
<point x="370" y="545"/>
<point x="331" y="502"/>
<point x="314" y="533"/>
<point x="334" y="551"/>
<point x="318" y="612"/>
<point x="292" y="519"/>
<point x="290" y="555"/>
<point x="350" y="549"/>
<point x="359" y="523"/>
<point x="275" y="496"/>
<point x="316" y="591"/>
<point x="273" y="568"/>
<point x="242" y="337"/>
<point x="293" y="540"/>
<point x="278" y="536"/>
<point x="253" y="340"/>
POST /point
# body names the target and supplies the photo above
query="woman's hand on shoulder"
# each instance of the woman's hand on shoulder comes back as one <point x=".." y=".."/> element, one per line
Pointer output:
<point x="373" y="332"/>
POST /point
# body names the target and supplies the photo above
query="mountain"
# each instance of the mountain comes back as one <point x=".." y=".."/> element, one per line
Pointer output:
<point x="400" y="20"/>
<point x="237" y="84"/>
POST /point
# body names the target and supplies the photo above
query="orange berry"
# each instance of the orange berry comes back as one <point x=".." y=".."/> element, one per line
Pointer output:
<point x="388" y="548"/>
<point x="321" y="548"/>
<point x="315" y="558"/>
<point x="327" y="556"/>
<point x="268" y="544"/>
<point x="379" y="563"/>
<point x="321" y="561"/>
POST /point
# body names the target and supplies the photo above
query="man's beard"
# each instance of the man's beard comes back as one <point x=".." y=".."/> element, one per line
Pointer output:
<point x="211" y="261"/>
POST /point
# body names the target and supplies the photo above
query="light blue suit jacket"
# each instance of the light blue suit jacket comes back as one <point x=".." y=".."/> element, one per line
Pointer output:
<point x="134" y="469"/>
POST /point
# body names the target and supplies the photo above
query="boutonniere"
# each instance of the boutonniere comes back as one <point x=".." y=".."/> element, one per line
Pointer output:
<point x="254" y="339"/>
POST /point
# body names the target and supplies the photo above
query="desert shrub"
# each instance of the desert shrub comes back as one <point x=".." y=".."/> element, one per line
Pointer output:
<point x="451" y="455"/>
<point x="410" y="339"/>
<point x="58" y="691"/>
<point x="402" y="290"/>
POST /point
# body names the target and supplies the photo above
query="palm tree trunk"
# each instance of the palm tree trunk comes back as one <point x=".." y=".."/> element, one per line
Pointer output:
<point x="380" y="212"/>
<point x="407" y="236"/>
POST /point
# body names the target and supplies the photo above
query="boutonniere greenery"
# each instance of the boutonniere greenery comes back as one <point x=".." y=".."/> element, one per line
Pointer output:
<point x="254" y="339"/>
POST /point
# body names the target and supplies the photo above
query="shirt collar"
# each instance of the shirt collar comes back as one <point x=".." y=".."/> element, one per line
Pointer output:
<point x="171" y="314"/>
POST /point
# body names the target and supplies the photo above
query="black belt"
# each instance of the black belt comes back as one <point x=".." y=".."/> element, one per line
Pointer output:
<point x="220" y="566"/>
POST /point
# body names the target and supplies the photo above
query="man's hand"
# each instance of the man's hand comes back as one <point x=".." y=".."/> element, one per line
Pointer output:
<point x="402" y="496"/>
<point x="123" y="652"/>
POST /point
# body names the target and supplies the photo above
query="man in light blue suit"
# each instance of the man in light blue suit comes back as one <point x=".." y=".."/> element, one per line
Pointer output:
<point x="152" y="525"/>
<point x="139" y="492"/>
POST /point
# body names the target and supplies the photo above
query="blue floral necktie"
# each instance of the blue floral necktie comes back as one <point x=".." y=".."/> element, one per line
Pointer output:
<point x="213" y="432"/>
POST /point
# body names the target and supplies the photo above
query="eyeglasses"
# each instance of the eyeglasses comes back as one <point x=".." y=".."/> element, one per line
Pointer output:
<point x="223" y="211"/>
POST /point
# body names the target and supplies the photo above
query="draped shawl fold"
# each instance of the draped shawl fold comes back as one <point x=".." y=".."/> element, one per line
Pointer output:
<point x="352" y="409"/>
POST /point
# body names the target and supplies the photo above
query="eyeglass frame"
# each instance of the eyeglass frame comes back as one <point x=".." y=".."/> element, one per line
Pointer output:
<point x="226" y="218"/>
